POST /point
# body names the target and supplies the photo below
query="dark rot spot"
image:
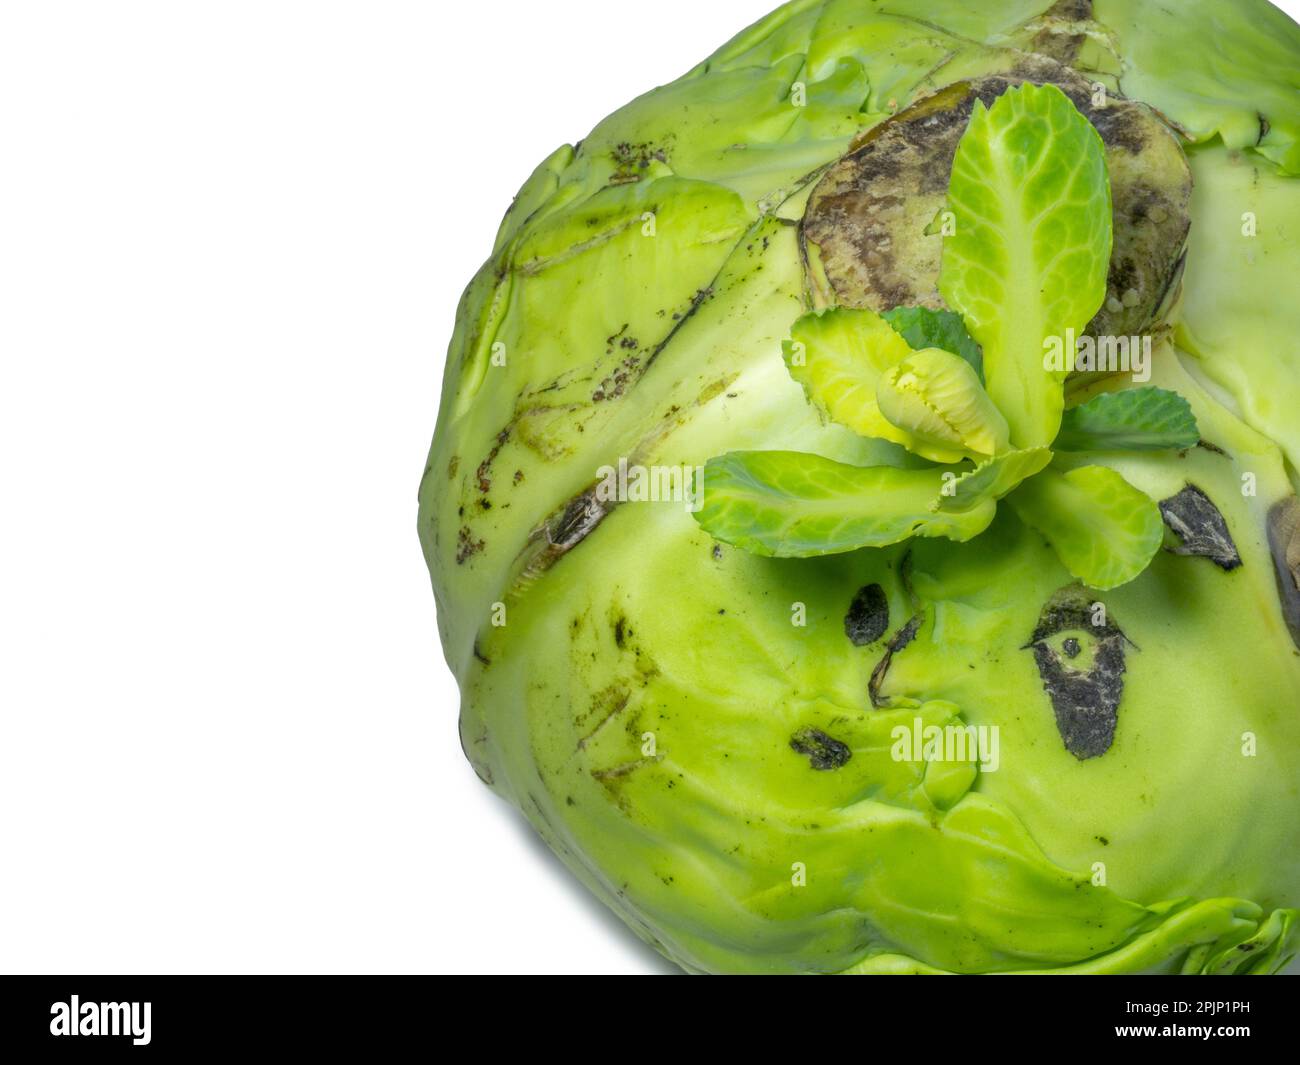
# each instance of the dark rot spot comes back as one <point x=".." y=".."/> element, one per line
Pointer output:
<point x="1060" y="33"/>
<point x="1085" y="701"/>
<point x="872" y="233"/>
<point x="823" y="751"/>
<point x="901" y="639"/>
<point x="1198" y="523"/>
<point x="484" y="474"/>
<point x="633" y="160"/>
<point x="580" y="516"/>
<point x="565" y="529"/>
<point x="868" y="616"/>
<point x="466" y="545"/>
<point x="1284" y="542"/>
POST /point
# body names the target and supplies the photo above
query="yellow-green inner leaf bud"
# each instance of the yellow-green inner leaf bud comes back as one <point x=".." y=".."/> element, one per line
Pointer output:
<point x="937" y="399"/>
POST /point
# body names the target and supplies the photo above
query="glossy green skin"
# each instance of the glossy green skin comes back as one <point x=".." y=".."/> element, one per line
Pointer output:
<point x="638" y="702"/>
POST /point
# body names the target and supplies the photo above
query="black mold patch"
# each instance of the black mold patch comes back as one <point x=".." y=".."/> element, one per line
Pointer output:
<point x="1284" y="542"/>
<point x="901" y="639"/>
<point x="1198" y="523"/>
<point x="579" y="518"/>
<point x="868" y="616"/>
<point x="823" y="752"/>
<point x="1085" y="702"/>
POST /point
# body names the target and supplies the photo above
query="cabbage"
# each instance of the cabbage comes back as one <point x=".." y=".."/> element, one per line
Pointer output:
<point x="815" y="618"/>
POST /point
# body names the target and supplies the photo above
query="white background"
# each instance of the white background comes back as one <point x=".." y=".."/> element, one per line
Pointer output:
<point x="232" y="238"/>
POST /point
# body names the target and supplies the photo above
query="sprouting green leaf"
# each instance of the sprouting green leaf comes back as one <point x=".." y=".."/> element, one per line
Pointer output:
<point x="1104" y="530"/>
<point x="1137" y="419"/>
<point x="923" y="328"/>
<point x="792" y="505"/>
<point x="992" y="479"/>
<point x="1031" y="252"/>
<point x="838" y="356"/>
<point x="937" y="399"/>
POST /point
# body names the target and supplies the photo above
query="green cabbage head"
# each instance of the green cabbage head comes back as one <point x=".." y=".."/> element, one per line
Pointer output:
<point x="862" y="509"/>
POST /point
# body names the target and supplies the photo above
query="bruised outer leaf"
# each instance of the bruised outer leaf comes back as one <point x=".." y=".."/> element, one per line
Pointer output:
<point x="1136" y="419"/>
<point x="1029" y="256"/>
<point x="993" y="479"/>
<point x="791" y="505"/>
<point x="1199" y="524"/>
<point x="839" y="356"/>
<point x="936" y="398"/>
<point x="923" y="328"/>
<point x="1103" y="529"/>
